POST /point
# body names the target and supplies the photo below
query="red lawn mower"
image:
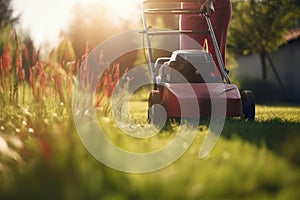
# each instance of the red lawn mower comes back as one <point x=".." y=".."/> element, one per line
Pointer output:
<point x="190" y="68"/>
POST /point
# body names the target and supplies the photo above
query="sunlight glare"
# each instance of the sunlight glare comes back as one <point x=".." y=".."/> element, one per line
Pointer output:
<point x="122" y="8"/>
<point x="44" y="19"/>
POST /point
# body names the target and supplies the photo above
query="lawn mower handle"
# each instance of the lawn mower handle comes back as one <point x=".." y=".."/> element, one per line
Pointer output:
<point x="216" y="47"/>
<point x="224" y="70"/>
<point x="222" y="67"/>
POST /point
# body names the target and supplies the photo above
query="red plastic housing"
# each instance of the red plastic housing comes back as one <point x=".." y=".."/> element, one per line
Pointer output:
<point x="227" y="94"/>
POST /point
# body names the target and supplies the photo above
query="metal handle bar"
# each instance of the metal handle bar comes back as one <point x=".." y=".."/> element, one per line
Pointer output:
<point x="174" y="32"/>
<point x="176" y="11"/>
<point x="217" y="50"/>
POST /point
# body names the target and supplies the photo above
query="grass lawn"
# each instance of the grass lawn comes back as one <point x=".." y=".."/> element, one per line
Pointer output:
<point x="43" y="158"/>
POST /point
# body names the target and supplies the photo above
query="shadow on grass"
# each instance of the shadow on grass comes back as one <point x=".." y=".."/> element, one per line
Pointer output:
<point x="281" y="137"/>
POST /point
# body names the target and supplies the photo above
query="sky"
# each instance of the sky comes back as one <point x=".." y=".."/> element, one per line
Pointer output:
<point x="44" y="19"/>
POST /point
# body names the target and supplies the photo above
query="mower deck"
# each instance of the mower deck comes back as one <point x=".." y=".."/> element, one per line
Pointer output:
<point x="227" y="94"/>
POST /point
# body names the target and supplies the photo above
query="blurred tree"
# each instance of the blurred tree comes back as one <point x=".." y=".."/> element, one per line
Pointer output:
<point x="29" y="55"/>
<point x="14" y="42"/>
<point x="6" y="29"/>
<point x="6" y="12"/>
<point x="7" y="40"/>
<point x="259" y="26"/>
<point x="93" y="24"/>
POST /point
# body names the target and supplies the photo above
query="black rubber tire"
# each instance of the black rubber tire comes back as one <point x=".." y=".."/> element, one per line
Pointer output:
<point x="154" y="116"/>
<point x="154" y="98"/>
<point x="248" y="105"/>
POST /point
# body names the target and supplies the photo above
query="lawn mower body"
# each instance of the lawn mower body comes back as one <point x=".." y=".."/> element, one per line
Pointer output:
<point x="194" y="69"/>
<point x="192" y="74"/>
<point x="175" y="93"/>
